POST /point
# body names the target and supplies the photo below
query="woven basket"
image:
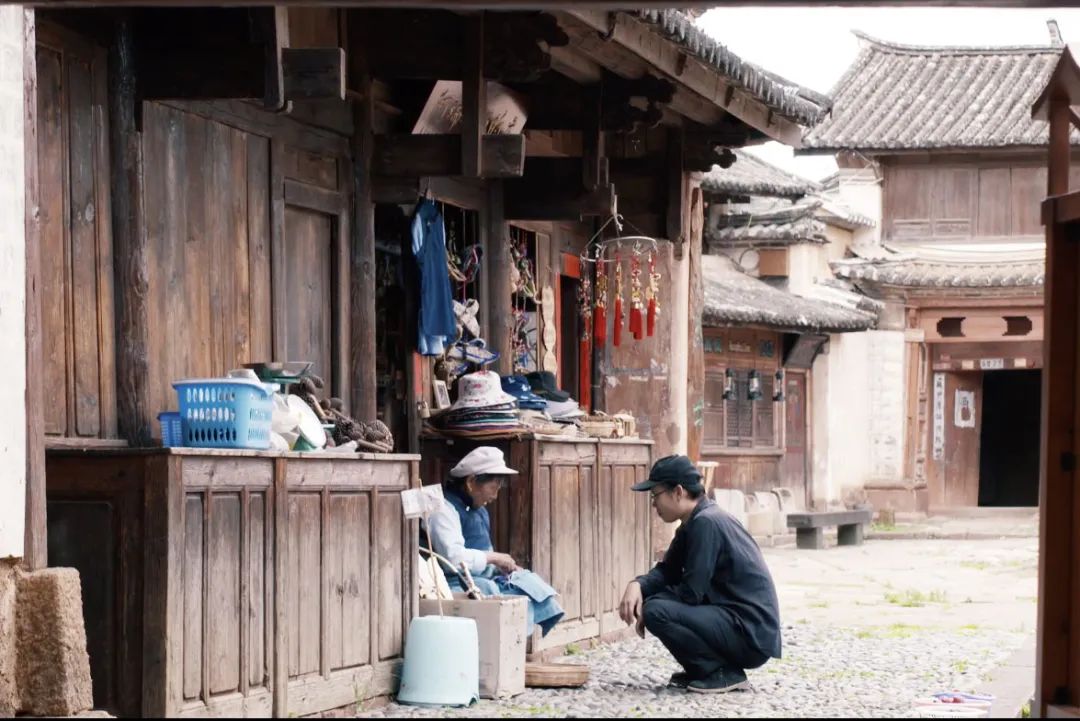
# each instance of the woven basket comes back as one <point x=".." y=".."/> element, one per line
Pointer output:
<point x="555" y="675"/>
<point x="600" y="429"/>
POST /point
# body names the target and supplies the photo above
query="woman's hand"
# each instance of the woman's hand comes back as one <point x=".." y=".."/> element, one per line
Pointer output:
<point x="630" y="606"/>
<point x="502" y="561"/>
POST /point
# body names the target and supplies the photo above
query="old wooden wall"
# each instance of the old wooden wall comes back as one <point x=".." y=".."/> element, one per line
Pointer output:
<point x="953" y="478"/>
<point x="236" y="585"/>
<point x="76" y="238"/>
<point x="964" y="197"/>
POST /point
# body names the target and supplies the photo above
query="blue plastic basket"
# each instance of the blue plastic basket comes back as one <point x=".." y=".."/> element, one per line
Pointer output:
<point x="172" y="430"/>
<point x="225" y="413"/>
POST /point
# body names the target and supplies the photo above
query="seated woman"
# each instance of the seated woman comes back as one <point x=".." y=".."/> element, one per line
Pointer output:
<point x="461" y="532"/>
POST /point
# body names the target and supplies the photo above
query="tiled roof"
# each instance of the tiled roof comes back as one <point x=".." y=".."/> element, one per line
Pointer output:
<point x="907" y="97"/>
<point x="766" y="221"/>
<point x="734" y="298"/>
<point x="784" y="97"/>
<point x="750" y="175"/>
<point x="923" y="270"/>
<point x="777" y="226"/>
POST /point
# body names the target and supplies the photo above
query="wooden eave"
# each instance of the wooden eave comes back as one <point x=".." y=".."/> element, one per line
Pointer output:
<point x="702" y="94"/>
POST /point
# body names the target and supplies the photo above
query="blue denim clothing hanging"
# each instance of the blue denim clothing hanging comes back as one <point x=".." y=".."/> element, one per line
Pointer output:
<point x="437" y="325"/>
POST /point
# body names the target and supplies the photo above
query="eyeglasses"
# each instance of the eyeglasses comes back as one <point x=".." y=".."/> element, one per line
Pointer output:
<point x="653" y="495"/>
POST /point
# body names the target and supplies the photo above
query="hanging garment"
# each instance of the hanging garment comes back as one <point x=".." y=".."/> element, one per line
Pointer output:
<point x="437" y="325"/>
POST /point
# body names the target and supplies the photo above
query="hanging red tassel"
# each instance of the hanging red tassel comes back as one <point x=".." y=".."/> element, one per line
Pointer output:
<point x="651" y="317"/>
<point x="650" y="293"/>
<point x="635" y="323"/>
<point x="600" y="325"/>
<point x="584" y="375"/>
<point x="617" y="339"/>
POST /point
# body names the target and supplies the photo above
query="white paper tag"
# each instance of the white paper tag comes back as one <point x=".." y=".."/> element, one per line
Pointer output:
<point x="419" y="502"/>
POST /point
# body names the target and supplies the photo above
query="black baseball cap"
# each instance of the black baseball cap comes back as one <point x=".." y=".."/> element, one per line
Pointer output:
<point x="671" y="471"/>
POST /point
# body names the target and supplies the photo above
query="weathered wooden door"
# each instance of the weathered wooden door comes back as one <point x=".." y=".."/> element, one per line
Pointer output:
<point x="955" y="480"/>
<point x="793" y="466"/>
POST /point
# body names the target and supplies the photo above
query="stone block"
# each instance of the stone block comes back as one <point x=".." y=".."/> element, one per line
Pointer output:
<point x="54" y="668"/>
<point x="9" y="689"/>
<point x="760" y="522"/>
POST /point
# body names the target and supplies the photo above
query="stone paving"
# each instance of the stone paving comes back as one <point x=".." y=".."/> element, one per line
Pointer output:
<point x="866" y="631"/>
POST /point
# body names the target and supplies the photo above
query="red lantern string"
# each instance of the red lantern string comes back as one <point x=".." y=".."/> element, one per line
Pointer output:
<point x="637" y="327"/>
<point x="599" y="305"/>
<point x="650" y="293"/>
<point x="617" y="340"/>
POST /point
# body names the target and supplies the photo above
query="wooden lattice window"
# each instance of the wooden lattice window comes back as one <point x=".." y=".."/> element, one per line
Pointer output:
<point x="740" y="422"/>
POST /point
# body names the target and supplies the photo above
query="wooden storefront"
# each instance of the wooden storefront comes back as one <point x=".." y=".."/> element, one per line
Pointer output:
<point x="228" y="185"/>
<point x="747" y="437"/>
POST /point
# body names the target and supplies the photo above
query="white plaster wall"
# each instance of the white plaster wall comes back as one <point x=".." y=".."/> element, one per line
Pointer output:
<point x="860" y="189"/>
<point x="12" y="286"/>
<point x="841" y="417"/>
<point x="887" y="390"/>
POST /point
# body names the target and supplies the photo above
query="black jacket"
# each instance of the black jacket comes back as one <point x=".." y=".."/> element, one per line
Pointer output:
<point x="714" y="560"/>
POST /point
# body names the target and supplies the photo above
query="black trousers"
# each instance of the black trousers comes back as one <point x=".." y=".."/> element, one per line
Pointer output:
<point x="703" y="639"/>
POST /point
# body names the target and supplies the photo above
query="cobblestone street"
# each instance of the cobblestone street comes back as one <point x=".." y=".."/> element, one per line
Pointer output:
<point x="866" y="631"/>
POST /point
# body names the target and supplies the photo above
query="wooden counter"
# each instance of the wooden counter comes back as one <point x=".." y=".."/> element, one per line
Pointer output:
<point x="236" y="583"/>
<point x="571" y="517"/>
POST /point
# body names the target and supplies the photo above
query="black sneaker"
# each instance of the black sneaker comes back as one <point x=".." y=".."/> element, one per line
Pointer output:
<point x="679" y="679"/>
<point x="721" y="681"/>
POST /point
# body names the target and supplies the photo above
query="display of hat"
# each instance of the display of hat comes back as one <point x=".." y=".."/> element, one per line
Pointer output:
<point x="544" y="385"/>
<point x="519" y="387"/>
<point x="480" y="390"/>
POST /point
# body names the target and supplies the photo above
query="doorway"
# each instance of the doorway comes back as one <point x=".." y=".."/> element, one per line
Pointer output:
<point x="1009" y="446"/>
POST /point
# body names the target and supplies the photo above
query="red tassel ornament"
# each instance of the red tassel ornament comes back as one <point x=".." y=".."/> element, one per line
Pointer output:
<point x="617" y="331"/>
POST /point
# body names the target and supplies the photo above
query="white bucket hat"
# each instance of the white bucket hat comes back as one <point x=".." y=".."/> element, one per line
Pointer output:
<point x="480" y="390"/>
<point x="484" y="459"/>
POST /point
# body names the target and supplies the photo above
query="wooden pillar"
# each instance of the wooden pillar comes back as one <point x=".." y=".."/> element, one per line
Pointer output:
<point x="473" y="98"/>
<point x="1058" y="583"/>
<point x="35" y="546"/>
<point x="362" y="258"/>
<point x="695" y="358"/>
<point x="498" y="272"/>
<point x="129" y="241"/>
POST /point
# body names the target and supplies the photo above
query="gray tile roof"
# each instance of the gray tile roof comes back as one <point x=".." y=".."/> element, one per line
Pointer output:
<point x="777" y="226"/>
<point x="784" y="97"/>
<point x="770" y="222"/>
<point x="907" y="97"/>
<point x="914" y="272"/>
<point x="733" y="298"/>
<point x="750" y="175"/>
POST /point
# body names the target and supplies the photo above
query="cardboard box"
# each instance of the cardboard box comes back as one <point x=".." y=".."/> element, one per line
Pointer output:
<point x="500" y="624"/>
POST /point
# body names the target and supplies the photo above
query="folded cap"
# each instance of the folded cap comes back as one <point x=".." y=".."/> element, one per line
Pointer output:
<point x="544" y="385"/>
<point x="482" y="460"/>
<point x="518" y="387"/>
<point x="670" y="471"/>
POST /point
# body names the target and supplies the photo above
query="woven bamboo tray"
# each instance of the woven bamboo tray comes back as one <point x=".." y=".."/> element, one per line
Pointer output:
<point x="555" y="675"/>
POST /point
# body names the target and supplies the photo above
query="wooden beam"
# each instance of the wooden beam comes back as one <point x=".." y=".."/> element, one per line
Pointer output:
<point x="35" y="535"/>
<point x="273" y="22"/>
<point x="498" y="259"/>
<point x="676" y="192"/>
<point x="433" y="155"/>
<point x="131" y="254"/>
<point x="695" y="362"/>
<point x="692" y="73"/>
<point x="592" y="141"/>
<point x="473" y="99"/>
<point x="362" y="261"/>
<point x="1057" y="507"/>
<point x="313" y="73"/>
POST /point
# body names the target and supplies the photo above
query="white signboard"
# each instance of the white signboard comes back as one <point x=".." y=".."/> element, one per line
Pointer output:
<point x="992" y="364"/>
<point x="442" y="112"/>
<point x="939" y="416"/>
<point x="421" y="502"/>
<point x="964" y="409"/>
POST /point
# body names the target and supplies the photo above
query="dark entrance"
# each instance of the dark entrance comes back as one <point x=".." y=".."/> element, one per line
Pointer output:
<point x="1009" y="455"/>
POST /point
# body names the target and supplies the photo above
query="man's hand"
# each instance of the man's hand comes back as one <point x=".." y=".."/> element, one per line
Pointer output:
<point x="502" y="561"/>
<point x="630" y="606"/>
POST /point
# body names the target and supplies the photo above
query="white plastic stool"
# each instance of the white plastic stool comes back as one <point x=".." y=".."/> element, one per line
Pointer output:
<point x="442" y="662"/>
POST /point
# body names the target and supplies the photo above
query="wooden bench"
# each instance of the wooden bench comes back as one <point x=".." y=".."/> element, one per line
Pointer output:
<point x="810" y="527"/>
